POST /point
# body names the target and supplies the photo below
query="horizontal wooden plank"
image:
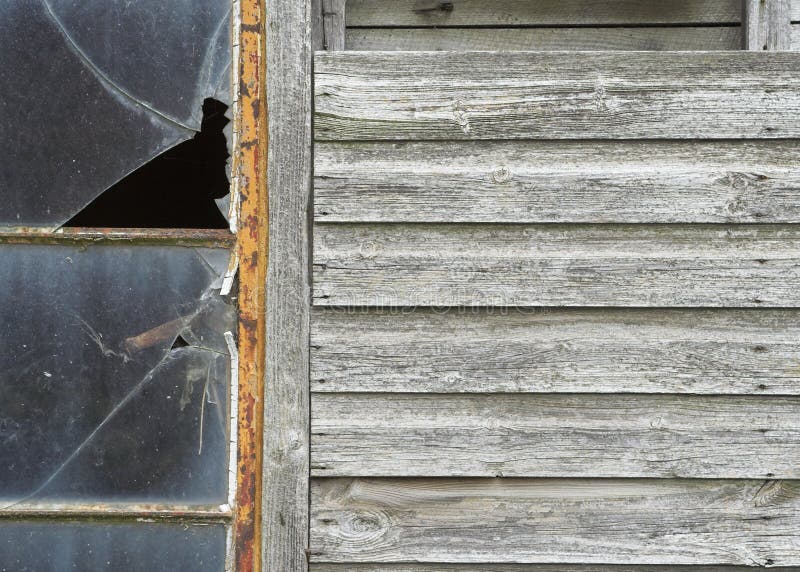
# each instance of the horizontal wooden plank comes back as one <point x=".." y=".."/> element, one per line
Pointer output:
<point x="489" y="350"/>
<point x="541" y="12"/>
<point x="558" y="181"/>
<point x="550" y="435"/>
<point x="557" y="265"/>
<point x="554" y="39"/>
<point x="546" y="95"/>
<point x="440" y="567"/>
<point x="752" y="523"/>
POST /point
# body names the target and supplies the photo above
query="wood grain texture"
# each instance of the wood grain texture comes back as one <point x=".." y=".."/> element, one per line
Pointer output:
<point x="558" y="181"/>
<point x="544" y="39"/>
<point x="285" y="520"/>
<point x="767" y="25"/>
<point x="333" y="23"/>
<point x="498" y="13"/>
<point x="794" y="38"/>
<point x="630" y="521"/>
<point x="547" y="435"/>
<point x="543" y="95"/>
<point x="496" y="350"/>
<point x="317" y="26"/>
<point x="557" y="265"/>
<point x="447" y="394"/>
<point x="441" y="567"/>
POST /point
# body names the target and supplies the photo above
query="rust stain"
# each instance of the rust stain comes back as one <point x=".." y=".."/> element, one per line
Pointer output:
<point x="251" y="126"/>
<point x="154" y="336"/>
<point x="112" y="511"/>
<point x="179" y="236"/>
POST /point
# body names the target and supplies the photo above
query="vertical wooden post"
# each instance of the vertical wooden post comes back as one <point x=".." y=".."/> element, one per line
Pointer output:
<point x="766" y="25"/>
<point x="286" y="404"/>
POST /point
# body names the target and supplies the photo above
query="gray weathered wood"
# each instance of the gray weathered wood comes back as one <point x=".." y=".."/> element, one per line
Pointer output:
<point x="529" y="95"/>
<point x="495" y="350"/>
<point x="440" y="567"/>
<point x="317" y="26"/>
<point x="557" y="265"/>
<point x="422" y="418"/>
<point x="549" y="435"/>
<point x="630" y="521"/>
<point x="554" y="181"/>
<point x="574" y="39"/>
<point x="286" y="440"/>
<point x="766" y="25"/>
<point x="378" y="13"/>
<point x="795" y="38"/>
<point x="333" y="21"/>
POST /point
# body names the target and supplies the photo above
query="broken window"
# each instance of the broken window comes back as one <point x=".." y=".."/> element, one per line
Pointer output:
<point x="118" y="369"/>
<point x="94" y="90"/>
<point x="99" y="401"/>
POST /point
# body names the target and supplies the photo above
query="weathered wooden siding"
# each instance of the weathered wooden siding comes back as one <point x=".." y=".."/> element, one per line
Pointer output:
<point x="388" y="567"/>
<point x="461" y="411"/>
<point x="591" y="39"/>
<point x="557" y="265"/>
<point x="543" y="25"/>
<point x="556" y="521"/>
<point x="556" y="314"/>
<point x="683" y="25"/>
<point x="555" y="435"/>
<point x="556" y="350"/>
<point x="551" y="181"/>
<point x="546" y="95"/>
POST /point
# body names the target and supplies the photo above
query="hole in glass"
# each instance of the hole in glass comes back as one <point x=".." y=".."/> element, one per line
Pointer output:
<point x="177" y="189"/>
<point x="179" y="343"/>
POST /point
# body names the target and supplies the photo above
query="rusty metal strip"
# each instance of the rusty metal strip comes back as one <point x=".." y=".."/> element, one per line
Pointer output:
<point x="220" y="513"/>
<point x="177" y="236"/>
<point x="250" y="186"/>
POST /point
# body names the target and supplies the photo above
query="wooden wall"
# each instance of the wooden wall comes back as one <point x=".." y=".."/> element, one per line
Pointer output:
<point x="543" y="25"/>
<point x="547" y="25"/>
<point x="556" y="314"/>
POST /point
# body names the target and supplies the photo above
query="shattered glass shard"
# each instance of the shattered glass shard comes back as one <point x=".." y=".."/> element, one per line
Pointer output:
<point x="97" y="400"/>
<point x="90" y="91"/>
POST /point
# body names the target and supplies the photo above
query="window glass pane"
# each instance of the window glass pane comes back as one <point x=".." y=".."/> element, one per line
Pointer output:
<point x="92" y="90"/>
<point x="114" y="375"/>
<point x="145" y="547"/>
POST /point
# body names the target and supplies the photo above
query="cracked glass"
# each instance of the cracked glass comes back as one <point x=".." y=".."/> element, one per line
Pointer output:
<point x="115" y="374"/>
<point x="38" y="547"/>
<point x="92" y="90"/>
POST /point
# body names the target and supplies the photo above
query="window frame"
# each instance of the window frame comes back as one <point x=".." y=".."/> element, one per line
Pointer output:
<point x="246" y="239"/>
